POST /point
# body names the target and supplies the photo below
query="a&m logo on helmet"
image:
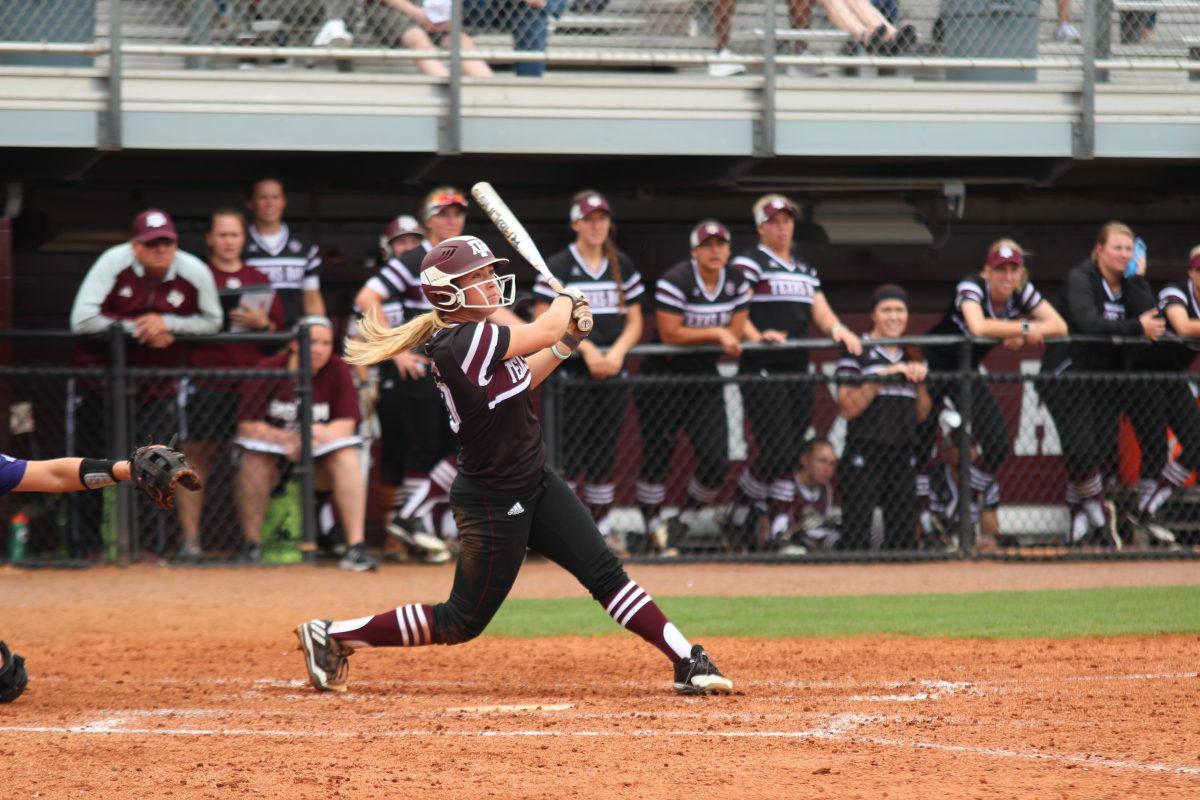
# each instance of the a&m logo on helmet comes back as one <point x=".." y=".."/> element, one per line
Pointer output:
<point x="479" y="248"/>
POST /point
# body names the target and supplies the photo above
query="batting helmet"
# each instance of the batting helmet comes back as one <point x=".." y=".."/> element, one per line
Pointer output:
<point x="454" y="258"/>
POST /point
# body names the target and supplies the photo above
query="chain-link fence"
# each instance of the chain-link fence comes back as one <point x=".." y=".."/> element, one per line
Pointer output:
<point x="843" y="462"/>
<point x="953" y="39"/>
<point x="104" y="408"/>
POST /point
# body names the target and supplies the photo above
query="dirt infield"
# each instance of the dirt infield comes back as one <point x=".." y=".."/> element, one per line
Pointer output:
<point x="185" y="683"/>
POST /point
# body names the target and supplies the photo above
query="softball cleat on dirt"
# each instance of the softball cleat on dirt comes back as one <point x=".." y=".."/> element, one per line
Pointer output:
<point x="697" y="674"/>
<point x="324" y="657"/>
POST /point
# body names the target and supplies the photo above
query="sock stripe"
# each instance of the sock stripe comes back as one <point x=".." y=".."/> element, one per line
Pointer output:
<point x="629" y="601"/>
<point x="701" y="493"/>
<point x="625" y="620"/>
<point x="783" y="490"/>
<point x="753" y="487"/>
<point x="624" y="590"/>
<point x="650" y="493"/>
<point x="424" y="624"/>
<point x="404" y="639"/>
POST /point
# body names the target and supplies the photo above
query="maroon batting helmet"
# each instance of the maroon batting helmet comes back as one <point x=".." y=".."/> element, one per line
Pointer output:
<point x="453" y="258"/>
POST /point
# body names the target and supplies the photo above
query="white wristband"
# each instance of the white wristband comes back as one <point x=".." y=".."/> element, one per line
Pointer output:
<point x="554" y="349"/>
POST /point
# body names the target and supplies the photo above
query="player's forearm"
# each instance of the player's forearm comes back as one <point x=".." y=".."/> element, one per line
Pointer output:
<point x="541" y="365"/>
<point x="692" y="336"/>
<point x="854" y="400"/>
<point x="66" y="474"/>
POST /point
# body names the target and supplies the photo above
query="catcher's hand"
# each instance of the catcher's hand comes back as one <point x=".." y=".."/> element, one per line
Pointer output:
<point x="157" y="469"/>
<point x="13" y="677"/>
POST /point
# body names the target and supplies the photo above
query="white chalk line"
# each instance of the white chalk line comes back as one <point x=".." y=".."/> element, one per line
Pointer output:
<point x="1024" y="681"/>
<point x="839" y="727"/>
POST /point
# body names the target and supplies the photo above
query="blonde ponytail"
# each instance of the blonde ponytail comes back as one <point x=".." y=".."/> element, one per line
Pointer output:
<point x="379" y="342"/>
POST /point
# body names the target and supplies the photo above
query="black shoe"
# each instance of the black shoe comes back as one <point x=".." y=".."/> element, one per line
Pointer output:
<point x="411" y="531"/>
<point x="1155" y="532"/>
<point x="697" y="674"/>
<point x="324" y="657"/>
<point x="250" y="553"/>
<point x="357" y="560"/>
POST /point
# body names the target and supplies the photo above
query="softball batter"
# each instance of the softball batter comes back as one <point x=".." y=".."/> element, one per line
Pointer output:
<point x="504" y="498"/>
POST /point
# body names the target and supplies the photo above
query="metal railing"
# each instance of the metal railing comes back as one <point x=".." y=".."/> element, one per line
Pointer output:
<point x="458" y="40"/>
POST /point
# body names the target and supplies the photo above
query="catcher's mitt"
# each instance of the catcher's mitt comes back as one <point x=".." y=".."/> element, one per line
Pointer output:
<point x="13" y="677"/>
<point x="157" y="469"/>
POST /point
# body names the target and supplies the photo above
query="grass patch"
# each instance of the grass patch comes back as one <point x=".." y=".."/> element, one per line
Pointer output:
<point x="983" y="615"/>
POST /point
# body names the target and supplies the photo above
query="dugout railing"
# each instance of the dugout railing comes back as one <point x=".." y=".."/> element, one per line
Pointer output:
<point x="70" y="395"/>
<point x="1001" y="408"/>
<point x="1100" y="41"/>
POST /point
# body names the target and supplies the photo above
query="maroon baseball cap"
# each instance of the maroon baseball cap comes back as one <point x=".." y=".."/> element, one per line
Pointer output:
<point x="1195" y="262"/>
<point x="707" y="230"/>
<point x="152" y="225"/>
<point x="774" y="204"/>
<point x="403" y="225"/>
<point x="1005" y="254"/>
<point x="587" y="204"/>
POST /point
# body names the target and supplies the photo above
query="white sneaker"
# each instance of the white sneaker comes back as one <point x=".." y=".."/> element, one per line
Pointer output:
<point x="720" y="69"/>
<point x="1066" y="32"/>
<point x="333" y="34"/>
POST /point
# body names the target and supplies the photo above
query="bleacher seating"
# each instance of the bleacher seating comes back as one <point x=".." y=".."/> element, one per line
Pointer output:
<point x="661" y="25"/>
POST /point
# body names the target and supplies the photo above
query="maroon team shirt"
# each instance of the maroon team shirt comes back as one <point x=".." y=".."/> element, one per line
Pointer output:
<point x="491" y="412"/>
<point x="133" y="295"/>
<point x="275" y="401"/>
<point x="235" y="354"/>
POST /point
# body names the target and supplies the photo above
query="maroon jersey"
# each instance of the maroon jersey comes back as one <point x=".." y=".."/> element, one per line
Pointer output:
<point x="235" y="354"/>
<point x="117" y="289"/>
<point x="275" y="401"/>
<point x="491" y="412"/>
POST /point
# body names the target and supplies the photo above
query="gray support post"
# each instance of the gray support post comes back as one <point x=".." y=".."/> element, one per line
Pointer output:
<point x="452" y="125"/>
<point x="109" y="136"/>
<point x="766" y="133"/>
<point x="1083" y="132"/>
<point x="966" y="526"/>
<point x="117" y="410"/>
<point x="308" y="499"/>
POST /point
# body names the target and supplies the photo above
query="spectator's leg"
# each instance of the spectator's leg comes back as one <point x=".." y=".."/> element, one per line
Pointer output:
<point x="474" y="68"/>
<point x="869" y="17"/>
<point x="841" y="16"/>
<point x="530" y="29"/>
<point x="416" y="39"/>
<point x="256" y="477"/>
<point x="202" y="456"/>
<point x="339" y="472"/>
<point x="991" y="432"/>
<point x="890" y="9"/>
<point x="899" y="500"/>
<point x="723" y="11"/>
<point x="799" y="11"/>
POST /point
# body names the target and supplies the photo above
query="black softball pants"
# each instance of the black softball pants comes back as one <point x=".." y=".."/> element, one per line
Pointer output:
<point x="876" y="475"/>
<point x="1152" y="405"/>
<point x="592" y="413"/>
<point x="496" y="527"/>
<point x="699" y="408"/>
<point x="987" y="424"/>
<point x="1085" y="413"/>
<point x="780" y="414"/>
<point x="413" y="424"/>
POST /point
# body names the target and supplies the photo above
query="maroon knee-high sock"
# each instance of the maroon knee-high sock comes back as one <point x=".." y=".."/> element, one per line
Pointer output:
<point x="632" y="608"/>
<point x="406" y="626"/>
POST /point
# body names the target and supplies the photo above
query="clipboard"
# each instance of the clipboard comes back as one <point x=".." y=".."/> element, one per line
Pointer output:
<point x="259" y="297"/>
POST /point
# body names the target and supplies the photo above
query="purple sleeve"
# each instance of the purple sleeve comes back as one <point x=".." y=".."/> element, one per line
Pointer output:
<point x="12" y="470"/>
